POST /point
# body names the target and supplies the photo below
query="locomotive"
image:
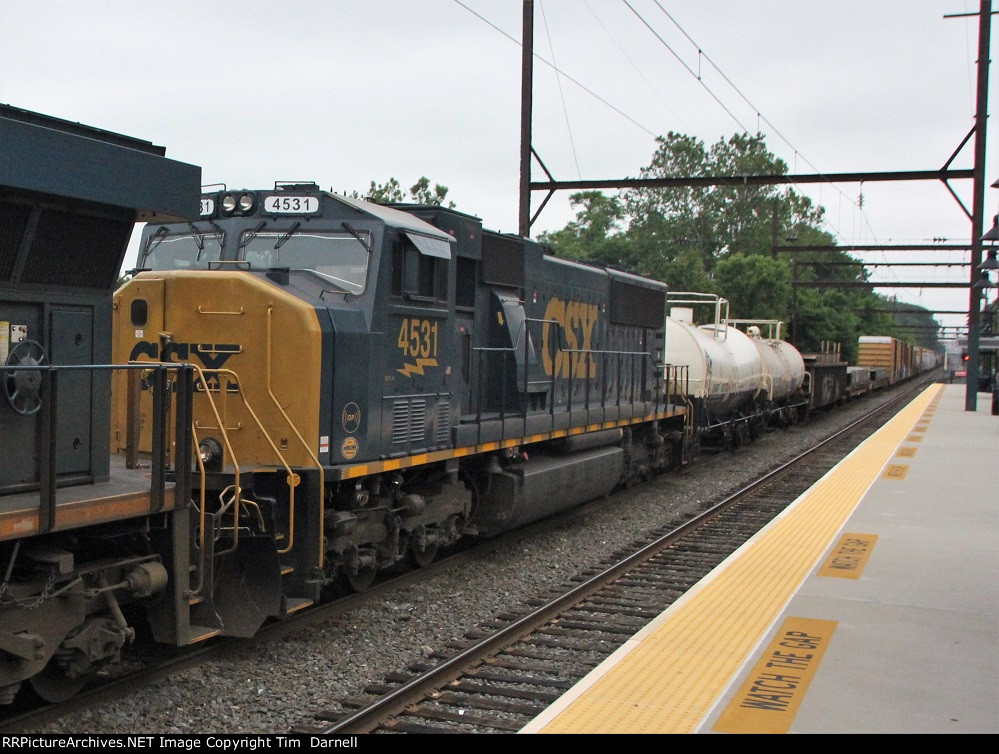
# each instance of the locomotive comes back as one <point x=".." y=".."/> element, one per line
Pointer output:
<point x="375" y="382"/>
<point x="296" y="389"/>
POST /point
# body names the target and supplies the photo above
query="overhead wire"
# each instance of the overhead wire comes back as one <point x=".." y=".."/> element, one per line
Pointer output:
<point x="626" y="56"/>
<point x="558" y="80"/>
<point x="585" y="88"/>
<point x="689" y="69"/>
<point x="760" y="117"/>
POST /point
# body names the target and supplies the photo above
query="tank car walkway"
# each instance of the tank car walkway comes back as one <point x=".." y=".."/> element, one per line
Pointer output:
<point x="870" y="606"/>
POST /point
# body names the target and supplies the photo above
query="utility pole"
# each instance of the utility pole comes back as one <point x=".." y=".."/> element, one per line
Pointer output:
<point x="526" y="105"/>
<point x="978" y="205"/>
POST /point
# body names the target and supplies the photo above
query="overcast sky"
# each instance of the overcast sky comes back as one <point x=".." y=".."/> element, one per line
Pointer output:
<point x="343" y="92"/>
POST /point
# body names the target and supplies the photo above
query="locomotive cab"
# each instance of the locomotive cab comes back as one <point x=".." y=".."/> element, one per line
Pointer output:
<point x="318" y="326"/>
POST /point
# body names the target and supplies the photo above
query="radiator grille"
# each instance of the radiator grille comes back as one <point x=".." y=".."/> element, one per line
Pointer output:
<point x="409" y="420"/>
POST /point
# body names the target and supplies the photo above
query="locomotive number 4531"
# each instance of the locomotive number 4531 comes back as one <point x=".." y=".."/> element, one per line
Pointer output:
<point x="291" y="204"/>
<point x="418" y="338"/>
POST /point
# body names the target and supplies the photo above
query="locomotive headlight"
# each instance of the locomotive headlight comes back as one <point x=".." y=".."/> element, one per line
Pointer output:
<point x="210" y="451"/>
<point x="246" y="202"/>
<point x="228" y="203"/>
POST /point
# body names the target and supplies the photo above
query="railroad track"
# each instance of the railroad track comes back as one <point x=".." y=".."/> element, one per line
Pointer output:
<point x="509" y="671"/>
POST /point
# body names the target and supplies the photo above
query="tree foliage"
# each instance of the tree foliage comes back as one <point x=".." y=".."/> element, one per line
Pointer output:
<point x="726" y="239"/>
<point x="391" y="192"/>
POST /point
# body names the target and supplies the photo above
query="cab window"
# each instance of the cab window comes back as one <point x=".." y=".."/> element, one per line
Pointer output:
<point x="337" y="257"/>
<point x="181" y="251"/>
<point x="416" y="275"/>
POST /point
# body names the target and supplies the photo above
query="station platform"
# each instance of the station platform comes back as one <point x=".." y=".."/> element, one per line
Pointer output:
<point x="871" y="605"/>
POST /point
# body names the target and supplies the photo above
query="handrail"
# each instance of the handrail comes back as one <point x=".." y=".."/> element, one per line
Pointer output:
<point x="241" y="311"/>
<point x="292" y="479"/>
<point x="774" y="325"/>
<point x="200" y="374"/>
<point x="308" y="449"/>
<point x="588" y="355"/>
<point x="770" y="389"/>
<point x="201" y="518"/>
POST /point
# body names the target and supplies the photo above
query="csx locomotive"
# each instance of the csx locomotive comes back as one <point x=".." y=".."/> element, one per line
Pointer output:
<point x="375" y="382"/>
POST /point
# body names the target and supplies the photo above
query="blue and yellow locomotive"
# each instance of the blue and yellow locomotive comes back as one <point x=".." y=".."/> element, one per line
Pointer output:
<point x="374" y="382"/>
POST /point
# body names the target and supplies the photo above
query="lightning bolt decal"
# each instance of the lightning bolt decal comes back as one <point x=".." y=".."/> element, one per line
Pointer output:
<point x="410" y="369"/>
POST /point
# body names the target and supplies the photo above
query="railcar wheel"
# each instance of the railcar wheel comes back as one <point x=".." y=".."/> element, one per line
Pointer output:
<point x="53" y="686"/>
<point x="421" y="549"/>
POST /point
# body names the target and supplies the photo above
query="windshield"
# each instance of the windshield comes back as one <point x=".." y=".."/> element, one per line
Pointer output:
<point x="185" y="251"/>
<point x="341" y="258"/>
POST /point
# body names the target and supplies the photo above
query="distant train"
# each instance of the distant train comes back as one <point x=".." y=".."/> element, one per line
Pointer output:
<point x="298" y="389"/>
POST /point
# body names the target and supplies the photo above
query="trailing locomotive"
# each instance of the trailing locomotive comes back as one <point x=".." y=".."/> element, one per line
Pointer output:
<point x="297" y="389"/>
<point x="80" y="533"/>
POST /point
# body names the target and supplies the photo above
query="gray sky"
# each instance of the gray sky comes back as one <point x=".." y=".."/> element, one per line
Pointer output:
<point x="343" y="92"/>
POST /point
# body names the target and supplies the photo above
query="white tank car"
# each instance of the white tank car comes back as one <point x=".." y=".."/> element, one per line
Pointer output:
<point x="724" y="368"/>
<point x="783" y="365"/>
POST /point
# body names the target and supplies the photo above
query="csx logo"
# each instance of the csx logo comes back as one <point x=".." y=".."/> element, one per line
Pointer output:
<point x="211" y="355"/>
<point x="577" y="320"/>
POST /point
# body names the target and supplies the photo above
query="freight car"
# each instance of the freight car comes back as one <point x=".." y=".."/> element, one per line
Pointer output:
<point x="827" y="381"/>
<point x="861" y="380"/>
<point x="896" y="356"/>
<point x="738" y="382"/>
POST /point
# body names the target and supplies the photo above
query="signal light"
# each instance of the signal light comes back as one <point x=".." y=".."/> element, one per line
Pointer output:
<point x="965" y="357"/>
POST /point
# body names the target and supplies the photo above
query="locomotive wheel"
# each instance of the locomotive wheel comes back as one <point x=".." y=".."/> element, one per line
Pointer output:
<point x="52" y="685"/>
<point x="419" y="551"/>
<point x="358" y="582"/>
<point x="421" y="557"/>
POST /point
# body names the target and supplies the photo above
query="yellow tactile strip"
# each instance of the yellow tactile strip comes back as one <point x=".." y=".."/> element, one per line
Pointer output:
<point x="666" y="679"/>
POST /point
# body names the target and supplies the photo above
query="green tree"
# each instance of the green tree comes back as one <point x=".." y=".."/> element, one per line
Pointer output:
<point x="595" y="234"/>
<point x="420" y="192"/>
<point x="755" y="283"/>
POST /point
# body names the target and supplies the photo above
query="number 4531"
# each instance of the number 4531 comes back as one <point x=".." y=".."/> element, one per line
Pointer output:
<point x="418" y="338"/>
